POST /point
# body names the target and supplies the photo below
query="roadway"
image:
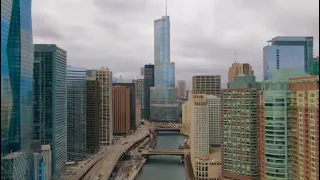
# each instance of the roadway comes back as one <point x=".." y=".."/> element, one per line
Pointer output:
<point x="102" y="164"/>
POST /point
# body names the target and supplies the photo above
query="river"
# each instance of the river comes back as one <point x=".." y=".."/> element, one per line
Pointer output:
<point x="164" y="167"/>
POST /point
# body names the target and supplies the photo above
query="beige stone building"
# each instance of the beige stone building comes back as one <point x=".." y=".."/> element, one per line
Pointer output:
<point x="104" y="76"/>
<point x="305" y="127"/>
<point x="195" y="117"/>
<point x="239" y="68"/>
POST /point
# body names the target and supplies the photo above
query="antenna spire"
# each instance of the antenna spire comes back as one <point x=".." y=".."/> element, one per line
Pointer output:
<point x="166" y="7"/>
<point x="235" y="56"/>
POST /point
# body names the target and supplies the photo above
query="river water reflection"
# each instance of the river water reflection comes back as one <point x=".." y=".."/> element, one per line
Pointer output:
<point x="164" y="167"/>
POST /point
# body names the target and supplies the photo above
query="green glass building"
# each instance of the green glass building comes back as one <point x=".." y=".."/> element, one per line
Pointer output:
<point x="275" y="129"/>
<point x="50" y="109"/>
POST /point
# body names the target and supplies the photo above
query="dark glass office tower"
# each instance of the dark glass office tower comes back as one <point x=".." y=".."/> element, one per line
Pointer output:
<point x="16" y="88"/>
<point x="93" y="116"/>
<point x="50" y="109"/>
<point x="148" y="83"/>
<point x="76" y="123"/>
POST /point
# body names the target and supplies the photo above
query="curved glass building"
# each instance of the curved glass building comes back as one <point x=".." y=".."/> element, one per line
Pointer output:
<point x="163" y="106"/>
<point x="16" y="85"/>
<point x="275" y="125"/>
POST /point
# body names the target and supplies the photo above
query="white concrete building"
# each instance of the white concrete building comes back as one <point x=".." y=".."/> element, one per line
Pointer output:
<point x="104" y="76"/>
<point x="214" y="104"/>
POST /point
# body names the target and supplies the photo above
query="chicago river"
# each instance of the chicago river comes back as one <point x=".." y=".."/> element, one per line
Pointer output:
<point x="164" y="167"/>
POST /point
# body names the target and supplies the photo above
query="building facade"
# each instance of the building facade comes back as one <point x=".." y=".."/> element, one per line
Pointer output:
<point x="275" y="128"/>
<point x="305" y="127"/>
<point x="42" y="163"/>
<point x="104" y="76"/>
<point x="294" y="52"/>
<point x="50" y="108"/>
<point x="239" y="68"/>
<point x="181" y="89"/>
<point x="121" y="110"/>
<point x="148" y="83"/>
<point x="207" y="84"/>
<point x="162" y="96"/>
<point x="132" y="88"/>
<point x="214" y="105"/>
<point x="93" y="116"/>
<point x="76" y="115"/>
<point x="239" y="129"/>
<point x="16" y="82"/>
<point x="91" y="73"/>
<point x="139" y="87"/>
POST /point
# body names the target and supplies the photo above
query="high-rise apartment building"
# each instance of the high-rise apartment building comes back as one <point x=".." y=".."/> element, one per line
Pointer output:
<point x="121" y="110"/>
<point x="182" y="89"/>
<point x="139" y="87"/>
<point x="132" y="88"/>
<point x="239" y="68"/>
<point x="104" y="76"/>
<point x="214" y="105"/>
<point x="294" y="52"/>
<point x="142" y="71"/>
<point x="76" y="115"/>
<point x="305" y="127"/>
<point x="16" y="88"/>
<point x="239" y="129"/>
<point x="162" y="96"/>
<point x="50" y="97"/>
<point x="207" y="84"/>
<point x="275" y="128"/>
<point x="205" y="164"/>
<point x="93" y="116"/>
<point x="148" y="83"/>
<point x="199" y="113"/>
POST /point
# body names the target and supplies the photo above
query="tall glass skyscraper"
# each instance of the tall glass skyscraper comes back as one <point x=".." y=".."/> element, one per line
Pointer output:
<point x="16" y="88"/>
<point x="76" y="123"/>
<point x="50" y="108"/>
<point x="163" y="106"/>
<point x="288" y="52"/>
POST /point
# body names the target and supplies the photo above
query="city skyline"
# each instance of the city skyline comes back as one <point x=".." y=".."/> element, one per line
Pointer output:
<point x="205" y="41"/>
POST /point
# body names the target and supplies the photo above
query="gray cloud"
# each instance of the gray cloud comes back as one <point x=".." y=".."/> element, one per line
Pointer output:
<point x="204" y="33"/>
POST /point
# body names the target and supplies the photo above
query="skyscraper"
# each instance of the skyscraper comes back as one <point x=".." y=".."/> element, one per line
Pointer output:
<point x="16" y="87"/>
<point x="294" y="52"/>
<point x="121" y="110"/>
<point x="239" y="128"/>
<point x="50" y="108"/>
<point x="131" y="86"/>
<point x="139" y="86"/>
<point x="239" y="68"/>
<point x="148" y="83"/>
<point x="305" y="127"/>
<point x="214" y="105"/>
<point x="93" y="116"/>
<point x="104" y="76"/>
<point x="181" y="89"/>
<point x="275" y="127"/>
<point x="76" y="122"/>
<point x="207" y="84"/>
<point x="162" y="96"/>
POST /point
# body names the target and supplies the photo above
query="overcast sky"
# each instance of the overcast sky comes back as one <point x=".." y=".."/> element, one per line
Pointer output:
<point x="204" y="33"/>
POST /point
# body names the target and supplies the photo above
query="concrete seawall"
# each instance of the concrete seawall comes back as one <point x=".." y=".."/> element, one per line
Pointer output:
<point x="137" y="169"/>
